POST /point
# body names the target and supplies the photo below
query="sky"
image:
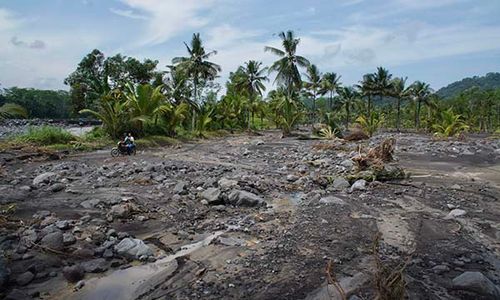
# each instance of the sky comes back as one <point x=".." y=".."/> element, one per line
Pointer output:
<point x="436" y="41"/>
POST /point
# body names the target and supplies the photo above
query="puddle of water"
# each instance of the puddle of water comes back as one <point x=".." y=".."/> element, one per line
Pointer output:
<point x="130" y="283"/>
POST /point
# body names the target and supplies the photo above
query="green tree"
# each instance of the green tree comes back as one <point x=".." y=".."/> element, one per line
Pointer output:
<point x="11" y="110"/>
<point x="313" y="86"/>
<point x="329" y="85"/>
<point x="197" y="67"/>
<point x="400" y="92"/>
<point x="420" y="92"/>
<point x="347" y="96"/>
<point x="250" y="79"/>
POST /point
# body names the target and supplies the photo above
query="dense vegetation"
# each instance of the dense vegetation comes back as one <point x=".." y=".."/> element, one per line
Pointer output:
<point x="490" y="81"/>
<point x="38" y="103"/>
<point x="129" y="95"/>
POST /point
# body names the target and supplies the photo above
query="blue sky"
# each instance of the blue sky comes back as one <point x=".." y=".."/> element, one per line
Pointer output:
<point x="437" y="41"/>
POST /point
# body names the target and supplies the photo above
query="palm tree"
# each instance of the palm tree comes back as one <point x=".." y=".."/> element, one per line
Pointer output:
<point x="313" y="85"/>
<point x="401" y="93"/>
<point x="382" y="82"/>
<point x="420" y="92"/>
<point x="330" y="83"/>
<point x="347" y="96"/>
<point x="197" y="66"/>
<point x="287" y="66"/>
<point x="11" y="110"/>
<point x="145" y="103"/>
<point x="367" y="88"/>
<point x="250" y="80"/>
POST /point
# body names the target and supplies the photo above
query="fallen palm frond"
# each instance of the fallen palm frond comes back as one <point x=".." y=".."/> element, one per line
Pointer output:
<point x="389" y="278"/>
<point x="332" y="280"/>
<point x="376" y="157"/>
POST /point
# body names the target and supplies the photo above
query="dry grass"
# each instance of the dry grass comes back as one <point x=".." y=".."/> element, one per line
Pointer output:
<point x="389" y="277"/>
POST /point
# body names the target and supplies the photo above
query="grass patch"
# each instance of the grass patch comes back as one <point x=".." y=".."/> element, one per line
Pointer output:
<point x="44" y="136"/>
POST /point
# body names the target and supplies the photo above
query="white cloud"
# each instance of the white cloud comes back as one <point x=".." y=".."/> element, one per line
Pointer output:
<point x="7" y="20"/>
<point x="167" y="18"/>
<point x="127" y="13"/>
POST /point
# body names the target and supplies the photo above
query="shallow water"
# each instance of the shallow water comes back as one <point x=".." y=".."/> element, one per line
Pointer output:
<point x="131" y="283"/>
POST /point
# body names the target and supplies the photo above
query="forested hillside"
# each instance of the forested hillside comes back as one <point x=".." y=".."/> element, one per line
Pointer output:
<point x="489" y="81"/>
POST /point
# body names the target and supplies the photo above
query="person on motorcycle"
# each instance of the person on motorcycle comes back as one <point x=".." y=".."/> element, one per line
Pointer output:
<point x="129" y="143"/>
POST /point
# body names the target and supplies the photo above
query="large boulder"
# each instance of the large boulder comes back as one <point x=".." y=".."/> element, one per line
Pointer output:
<point x="133" y="248"/>
<point x="477" y="283"/>
<point x="212" y="195"/>
<point x="53" y="241"/>
<point x="97" y="265"/>
<point x="44" y="178"/>
<point x="244" y="198"/>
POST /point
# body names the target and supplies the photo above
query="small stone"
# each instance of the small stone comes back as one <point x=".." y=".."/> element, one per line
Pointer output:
<point x="455" y="213"/>
<point x="63" y="225"/>
<point x="57" y="187"/>
<point x="80" y="284"/>
<point x="73" y="273"/>
<point x="292" y="178"/>
<point x="359" y="185"/>
<point x="212" y="195"/>
<point x="44" y="178"/>
<point x="340" y="183"/>
<point x="440" y="269"/>
<point x="25" y="278"/>
<point x="180" y="188"/>
<point x="90" y="204"/>
<point x="68" y="239"/>
<point x="133" y="248"/>
<point x="97" y="265"/>
<point x="331" y="200"/>
<point x="226" y="184"/>
<point x="456" y="187"/>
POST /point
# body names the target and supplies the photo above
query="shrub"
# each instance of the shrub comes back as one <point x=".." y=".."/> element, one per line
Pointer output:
<point x="45" y="135"/>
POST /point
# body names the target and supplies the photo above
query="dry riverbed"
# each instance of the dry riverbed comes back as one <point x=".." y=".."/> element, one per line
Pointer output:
<point x="251" y="217"/>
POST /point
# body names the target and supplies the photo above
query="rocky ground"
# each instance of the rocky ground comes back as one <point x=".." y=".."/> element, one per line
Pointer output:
<point x="78" y="127"/>
<point x="252" y="217"/>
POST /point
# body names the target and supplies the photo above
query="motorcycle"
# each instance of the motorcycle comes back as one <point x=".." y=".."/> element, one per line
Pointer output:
<point x="121" y="149"/>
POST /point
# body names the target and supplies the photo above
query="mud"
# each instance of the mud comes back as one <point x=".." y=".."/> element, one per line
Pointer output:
<point x="276" y="251"/>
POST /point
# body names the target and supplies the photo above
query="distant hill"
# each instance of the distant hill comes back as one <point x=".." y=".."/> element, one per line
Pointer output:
<point x="489" y="81"/>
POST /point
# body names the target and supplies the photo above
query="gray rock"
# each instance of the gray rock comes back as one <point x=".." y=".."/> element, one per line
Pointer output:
<point x="212" y="195"/>
<point x="25" y="278"/>
<point x="340" y="183"/>
<point x="133" y="248"/>
<point x="359" y="185"/>
<point x="44" y="178"/>
<point x="73" y="273"/>
<point x="348" y="164"/>
<point x="331" y="200"/>
<point x="456" y="187"/>
<point x="230" y="241"/>
<point x="16" y="294"/>
<point x="79" y="285"/>
<point x="89" y="204"/>
<point x="97" y="265"/>
<point x="68" y="239"/>
<point x="57" y="187"/>
<point x="25" y="188"/>
<point x="292" y="178"/>
<point x="440" y="269"/>
<point x="244" y="198"/>
<point x="53" y="240"/>
<point x="226" y="184"/>
<point x="63" y="224"/>
<point x="478" y="283"/>
<point x="4" y="274"/>
<point x="180" y="188"/>
<point x="120" y="210"/>
<point x="455" y="213"/>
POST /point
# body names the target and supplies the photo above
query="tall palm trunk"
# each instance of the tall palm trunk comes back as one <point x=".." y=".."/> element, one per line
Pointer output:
<point x="313" y="121"/>
<point x="193" y="117"/>
<point x="347" y="115"/>
<point x="398" y="117"/>
<point x="369" y="105"/>
<point x="417" y="115"/>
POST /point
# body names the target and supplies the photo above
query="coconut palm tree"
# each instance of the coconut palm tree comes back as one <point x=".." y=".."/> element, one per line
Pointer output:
<point x="197" y="67"/>
<point x="420" y="92"/>
<point x="382" y="82"/>
<point x="329" y="84"/>
<point x="251" y="80"/>
<point x="313" y="85"/>
<point x="368" y="90"/>
<point x="287" y="66"/>
<point x="347" y="96"/>
<point x="11" y="110"/>
<point x="401" y="92"/>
